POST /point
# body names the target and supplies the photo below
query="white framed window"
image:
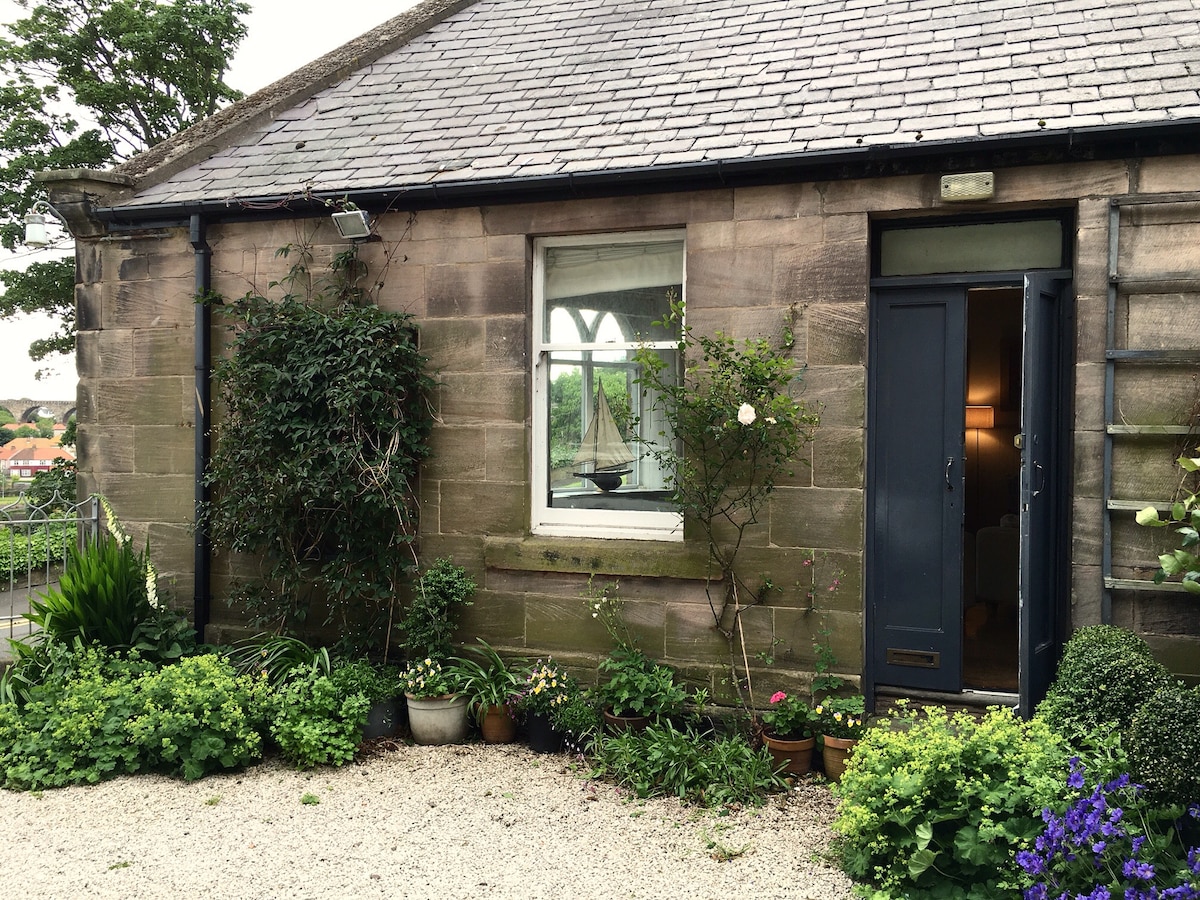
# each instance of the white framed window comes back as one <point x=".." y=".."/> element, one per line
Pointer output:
<point x="596" y="300"/>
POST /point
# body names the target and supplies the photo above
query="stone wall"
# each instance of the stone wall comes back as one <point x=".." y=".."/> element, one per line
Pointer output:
<point x="751" y="254"/>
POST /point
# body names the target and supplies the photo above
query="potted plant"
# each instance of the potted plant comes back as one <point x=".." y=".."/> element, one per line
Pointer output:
<point x="432" y="614"/>
<point x="489" y="683"/>
<point x="546" y="687"/>
<point x="840" y="721"/>
<point x="380" y="686"/>
<point x="578" y="719"/>
<point x="788" y="733"/>
<point x="637" y="690"/>
<point x="437" y="712"/>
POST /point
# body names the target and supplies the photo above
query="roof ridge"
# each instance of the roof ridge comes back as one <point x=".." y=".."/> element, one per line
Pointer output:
<point x="208" y="135"/>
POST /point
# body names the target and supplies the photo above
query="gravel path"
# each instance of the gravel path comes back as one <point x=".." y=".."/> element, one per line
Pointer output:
<point x="410" y="822"/>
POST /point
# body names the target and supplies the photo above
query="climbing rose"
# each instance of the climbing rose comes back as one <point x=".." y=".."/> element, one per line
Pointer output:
<point x="746" y="414"/>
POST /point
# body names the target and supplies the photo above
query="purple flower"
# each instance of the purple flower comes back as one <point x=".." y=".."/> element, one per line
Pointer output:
<point x="1140" y="870"/>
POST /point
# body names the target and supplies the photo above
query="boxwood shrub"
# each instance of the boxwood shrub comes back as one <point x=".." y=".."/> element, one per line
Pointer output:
<point x="1163" y="743"/>
<point x="1105" y="676"/>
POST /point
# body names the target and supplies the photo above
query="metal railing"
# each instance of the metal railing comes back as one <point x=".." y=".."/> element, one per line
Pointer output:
<point x="33" y="548"/>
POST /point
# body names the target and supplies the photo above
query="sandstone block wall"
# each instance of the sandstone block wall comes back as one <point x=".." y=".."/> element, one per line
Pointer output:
<point x="753" y="253"/>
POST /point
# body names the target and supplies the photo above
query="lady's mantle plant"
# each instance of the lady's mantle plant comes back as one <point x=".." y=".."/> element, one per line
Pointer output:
<point x="737" y="430"/>
<point x="326" y="419"/>
<point x="1111" y="844"/>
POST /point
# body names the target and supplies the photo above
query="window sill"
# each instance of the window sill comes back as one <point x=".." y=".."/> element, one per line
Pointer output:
<point x="653" y="559"/>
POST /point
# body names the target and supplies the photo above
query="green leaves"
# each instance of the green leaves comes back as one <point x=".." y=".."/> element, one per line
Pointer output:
<point x="1185" y="518"/>
<point x="327" y="418"/>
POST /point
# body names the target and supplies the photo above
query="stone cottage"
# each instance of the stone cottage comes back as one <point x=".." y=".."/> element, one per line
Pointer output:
<point x="986" y="215"/>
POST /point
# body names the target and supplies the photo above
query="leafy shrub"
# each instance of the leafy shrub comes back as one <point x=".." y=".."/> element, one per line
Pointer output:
<point x="315" y="463"/>
<point x="197" y="716"/>
<point x="938" y="807"/>
<point x="637" y="686"/>
<point x="361" y="676"/>
<point x="96" y="715"/>
<point x="1111" y="843"/>
<point x="700" y="767"/>
<point x="317" y="722"/>
<point x="1105" y="676"/>
<point x="47" y="543"/>
<point x="432" y="614"/>
<point x="1163" y="743"/>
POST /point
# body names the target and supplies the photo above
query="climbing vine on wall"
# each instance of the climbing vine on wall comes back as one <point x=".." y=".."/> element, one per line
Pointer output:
<point x="325" y="419"/>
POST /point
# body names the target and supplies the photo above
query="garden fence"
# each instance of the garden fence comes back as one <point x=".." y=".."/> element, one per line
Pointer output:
<point x="33" y="548"/>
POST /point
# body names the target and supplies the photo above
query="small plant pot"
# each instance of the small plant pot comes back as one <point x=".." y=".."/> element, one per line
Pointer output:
<point x="541" y="734"/>
<point x="615" y="724"/>
<point x="834" y="754"/>
<point x="383" y="719"/>
<point x="497" y="726"/>
<point x="795" y="757"/>
<point x="437" y="720"/>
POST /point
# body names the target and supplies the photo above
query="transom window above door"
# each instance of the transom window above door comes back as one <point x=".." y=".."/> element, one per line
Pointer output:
<point x="597" y="300"/>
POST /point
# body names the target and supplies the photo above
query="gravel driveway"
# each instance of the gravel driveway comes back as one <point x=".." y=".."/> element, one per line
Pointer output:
<point x="409" y="822"/>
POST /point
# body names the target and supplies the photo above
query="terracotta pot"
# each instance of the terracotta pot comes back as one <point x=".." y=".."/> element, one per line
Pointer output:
<point x="437" y="720"/>
<point x="542" y="736"/>
<point x="834" y="753"/>
<point x="794" y="756"/>
<point x="497" y="726"/>
<point x="615" y="724"/>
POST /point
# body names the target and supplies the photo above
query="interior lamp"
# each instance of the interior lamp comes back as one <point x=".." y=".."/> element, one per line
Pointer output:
<point x="353" y="224"/>
<point x="981" y="417"/>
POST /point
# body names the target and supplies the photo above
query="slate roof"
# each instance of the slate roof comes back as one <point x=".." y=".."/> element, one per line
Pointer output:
<point x="517" y="89"/>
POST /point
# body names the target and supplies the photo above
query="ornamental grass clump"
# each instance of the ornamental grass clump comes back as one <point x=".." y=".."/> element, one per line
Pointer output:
<point x="1111" y="843"/>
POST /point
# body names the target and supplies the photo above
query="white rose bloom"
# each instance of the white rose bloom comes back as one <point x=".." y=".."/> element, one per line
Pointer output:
<point x="746" y="414"/>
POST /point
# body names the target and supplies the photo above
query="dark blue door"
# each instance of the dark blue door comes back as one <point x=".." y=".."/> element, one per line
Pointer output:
<point x="1040" y="491"/>
<point x="915" y="487"/>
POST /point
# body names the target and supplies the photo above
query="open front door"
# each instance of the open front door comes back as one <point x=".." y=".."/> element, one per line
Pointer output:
<point x="915" y="513"/>
<point x="1040" y="489"/>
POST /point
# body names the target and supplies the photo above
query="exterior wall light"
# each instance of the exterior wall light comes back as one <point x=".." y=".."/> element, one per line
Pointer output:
<point x="353" y="224"/>
<point x="35" y="224"/>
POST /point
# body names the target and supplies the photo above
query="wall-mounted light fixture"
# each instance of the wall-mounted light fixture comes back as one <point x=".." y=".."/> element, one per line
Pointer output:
<point x="35" y="224"/>
<point x="981" y="417"/>
<point x="353" y="224"/>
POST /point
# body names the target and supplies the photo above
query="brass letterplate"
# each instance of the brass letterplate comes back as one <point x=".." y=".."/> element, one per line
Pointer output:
<point x="920" y="659"/>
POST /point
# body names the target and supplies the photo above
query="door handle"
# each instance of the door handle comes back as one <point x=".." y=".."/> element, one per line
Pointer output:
<point x="949" y="466"/>
<point x="1040" y="476"/>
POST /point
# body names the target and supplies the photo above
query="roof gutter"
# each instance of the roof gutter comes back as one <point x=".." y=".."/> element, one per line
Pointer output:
<point x="868" y="161"/>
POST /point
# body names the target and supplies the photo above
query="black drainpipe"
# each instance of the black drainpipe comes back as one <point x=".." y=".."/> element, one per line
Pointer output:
<point x="203" y="418"/>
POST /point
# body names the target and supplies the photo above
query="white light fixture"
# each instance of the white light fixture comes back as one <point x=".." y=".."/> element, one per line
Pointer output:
<point x="36" y="235"/>
<point x="968" y="186"/>
<point x="353" y="224"/>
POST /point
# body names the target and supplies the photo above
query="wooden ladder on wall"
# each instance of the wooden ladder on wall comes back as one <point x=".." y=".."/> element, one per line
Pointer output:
<point x="1128" y="287"/>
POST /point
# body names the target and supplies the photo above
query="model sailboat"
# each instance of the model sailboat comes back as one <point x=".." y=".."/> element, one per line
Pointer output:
<point x="603" y="454"/>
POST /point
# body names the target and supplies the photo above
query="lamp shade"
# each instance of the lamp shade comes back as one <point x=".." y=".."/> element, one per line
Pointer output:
<point x="35" y="230"/>
<point x="981" y="417"/>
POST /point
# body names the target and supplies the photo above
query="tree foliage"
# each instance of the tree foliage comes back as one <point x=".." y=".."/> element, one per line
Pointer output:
<point x="135" y="71"/>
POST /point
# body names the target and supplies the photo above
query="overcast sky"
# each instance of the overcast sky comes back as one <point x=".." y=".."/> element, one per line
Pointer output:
<point x="283" y="35"/>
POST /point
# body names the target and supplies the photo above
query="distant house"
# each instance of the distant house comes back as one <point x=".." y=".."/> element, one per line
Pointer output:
<point x="987" y="216"/>
<point x="26" y="457"/>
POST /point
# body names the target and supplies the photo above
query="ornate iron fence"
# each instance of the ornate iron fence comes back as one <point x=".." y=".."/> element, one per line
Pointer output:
<point x="33" y="548"/>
